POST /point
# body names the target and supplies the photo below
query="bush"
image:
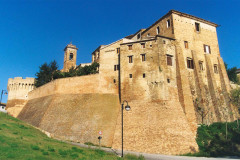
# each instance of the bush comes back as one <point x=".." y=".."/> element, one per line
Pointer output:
<point x="212" y="140"/>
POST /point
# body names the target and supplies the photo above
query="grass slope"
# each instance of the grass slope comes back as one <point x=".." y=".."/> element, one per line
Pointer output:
<point x="23" y="142"/>
<point x="212" y="140"/>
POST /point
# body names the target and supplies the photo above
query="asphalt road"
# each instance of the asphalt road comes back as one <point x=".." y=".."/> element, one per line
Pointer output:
<point x="154" y="156"/>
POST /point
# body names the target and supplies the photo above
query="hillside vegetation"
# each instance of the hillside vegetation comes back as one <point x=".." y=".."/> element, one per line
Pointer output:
<point x="23" y="142"/>
<point x="214" y="141"/>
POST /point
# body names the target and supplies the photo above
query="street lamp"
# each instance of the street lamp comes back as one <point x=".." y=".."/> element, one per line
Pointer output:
<point x="127" y="108"/>
<point x="2" y="94"/>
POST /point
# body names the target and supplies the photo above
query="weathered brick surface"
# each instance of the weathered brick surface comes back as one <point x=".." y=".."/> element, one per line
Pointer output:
<point x="75" y="117"/>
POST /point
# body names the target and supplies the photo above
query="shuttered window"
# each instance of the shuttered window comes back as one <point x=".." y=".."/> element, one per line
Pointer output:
<point x="190" y="64"/>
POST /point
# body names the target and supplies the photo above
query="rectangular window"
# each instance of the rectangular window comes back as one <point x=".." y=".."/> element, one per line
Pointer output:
<point x="143" y="57"/>
<point x="169" y="60"/>
<point x="207" y="49"/>
<point x="143" y="45"/>
<point x="130" y="59"/>
<point x="168" y="23"/>
<point x="197" y="27"/>
<point x="186" y="44"/>
<point x="116" y="67"/>
<point x="215" y="68"/>
<point x="158" y="30"/>
<point x="129" y="47"/>
<point x="130" y="75"/>
<point x="144" y="75"/>
<point x="118" y="50"/>
<point x="201" y="65"/>
<point x="148" y="34"/>
<point x="190" y="63"/>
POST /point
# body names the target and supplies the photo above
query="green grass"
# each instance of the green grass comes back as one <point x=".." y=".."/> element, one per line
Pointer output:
<point x="212" y="140"/>
<point x="23" y="142"/>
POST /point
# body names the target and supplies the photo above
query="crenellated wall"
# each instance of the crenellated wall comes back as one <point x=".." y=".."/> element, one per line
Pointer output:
<point x="18" y="89"/>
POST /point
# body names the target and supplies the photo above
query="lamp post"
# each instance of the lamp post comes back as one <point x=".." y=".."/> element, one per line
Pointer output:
<point x="127" y="108"/>
<point x="2" y="94"/>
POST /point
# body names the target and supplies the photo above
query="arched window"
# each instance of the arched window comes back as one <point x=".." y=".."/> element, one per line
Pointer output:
<point x="71" y="56"/>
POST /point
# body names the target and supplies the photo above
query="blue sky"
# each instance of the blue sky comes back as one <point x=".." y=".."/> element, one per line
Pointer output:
<point x="36" y="31"/>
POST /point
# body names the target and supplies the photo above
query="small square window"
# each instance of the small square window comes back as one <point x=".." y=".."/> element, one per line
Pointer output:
<point x="148" y="34"/>
<point x="129" y="47"/>
<point x="144" y="75"/>
<point x="190" y="64"/>
<point x="186" y="44"/>
<point x="130" y="75"/>
<point x="114" y="80"/>
<point x="215" y="68"/>
<point x="197" y="27"/>
<point x="164" y="42"/>
<point x="143" y="45"/>
<point x="207" y="49"/>
<point x="168" y="80"/>
<point x="150" y="45"/>
<point x="118" y="50"/>
<point x="168" y="23"/>
<point x="130" y="59"/>
<point x="143" y="57"/>
<point x="169" y="60"/>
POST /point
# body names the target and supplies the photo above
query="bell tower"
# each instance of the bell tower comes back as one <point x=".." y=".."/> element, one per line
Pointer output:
<point x="70" y="57"/>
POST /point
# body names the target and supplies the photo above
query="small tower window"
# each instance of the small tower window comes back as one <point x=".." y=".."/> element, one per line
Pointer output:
<point x="130" y="59"/>
<point x="129" y="47"/>
<point x="118" y="50"/>
<point x="71" y="56"/>
<point x="130" y="75"/>
<point x="143" y="57"/>
<point x="215" y="68"/>
<point x="143" y="45"/>
<point x="169" y="60"/>
<point x="144" y="75"/>
<point x="201" y="65"/>
<point x="186" y="44"/>
<point x="139" y="36"/>
<point x="207" y="49"/>
<point x="168" y="23"/>
<point x="197" y="27"/>
<point x="158" y="30"/>
<point x="190" y="63"/>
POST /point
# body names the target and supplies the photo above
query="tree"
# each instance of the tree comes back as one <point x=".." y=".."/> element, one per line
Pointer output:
<point x="200" y="109"/>
<point x="232" y="75"/>
<point x="235" y="99"/>
<point x="47" y="72"/>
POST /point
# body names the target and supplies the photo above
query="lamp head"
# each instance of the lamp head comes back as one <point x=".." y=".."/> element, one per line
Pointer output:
<point x="127" y="108"/>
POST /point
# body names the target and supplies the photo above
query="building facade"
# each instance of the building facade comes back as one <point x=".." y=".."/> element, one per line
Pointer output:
<point x="171" y="74"/>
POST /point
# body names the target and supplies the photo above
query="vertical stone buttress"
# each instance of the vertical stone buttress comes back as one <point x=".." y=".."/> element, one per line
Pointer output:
<point x="185" y="96"/>
<point x="225" y="85"/>
<point x="202" y="94"/>
<point x="213" y="87"/>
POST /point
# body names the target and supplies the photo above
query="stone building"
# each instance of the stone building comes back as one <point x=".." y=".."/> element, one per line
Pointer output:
<point x="169" y="73"/>
<point x="18" y="89"/>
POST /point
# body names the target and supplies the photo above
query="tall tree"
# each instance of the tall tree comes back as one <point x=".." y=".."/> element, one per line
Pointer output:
<point x="232" y="75"/>
<point x="46" y="73"/>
